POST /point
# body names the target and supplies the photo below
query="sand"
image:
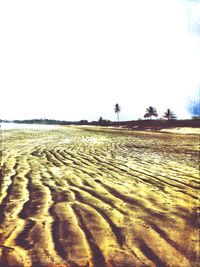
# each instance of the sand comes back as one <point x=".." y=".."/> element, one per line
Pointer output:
<point x="72" y="196"/>
<point x="182" y="130"/>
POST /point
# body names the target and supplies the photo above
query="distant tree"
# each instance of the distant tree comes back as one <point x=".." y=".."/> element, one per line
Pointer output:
<point x="151" y="111"/>
<point x="103" y="122"/>
<point x="169" y="114"/>
<point x="100" y="120"/>
<point x="83" y="122"/>
<point x="117" y="110"/>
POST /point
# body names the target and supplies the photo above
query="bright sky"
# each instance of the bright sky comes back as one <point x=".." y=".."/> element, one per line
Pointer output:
<point x="75" y="60"/>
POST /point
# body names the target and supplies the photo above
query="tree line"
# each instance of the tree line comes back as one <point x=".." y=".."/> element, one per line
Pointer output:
<point x="150" y="112"/>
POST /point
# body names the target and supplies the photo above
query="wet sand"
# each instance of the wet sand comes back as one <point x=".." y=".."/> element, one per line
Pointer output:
<point x="72" y="196"/>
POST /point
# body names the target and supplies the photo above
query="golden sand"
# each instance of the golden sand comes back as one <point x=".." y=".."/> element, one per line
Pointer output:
<point x="71" y="196"/>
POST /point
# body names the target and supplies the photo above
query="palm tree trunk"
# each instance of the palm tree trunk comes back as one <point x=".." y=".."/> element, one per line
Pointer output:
<point x="118" y="116"/>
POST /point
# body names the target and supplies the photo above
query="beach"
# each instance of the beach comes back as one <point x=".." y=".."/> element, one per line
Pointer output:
<point x="94" y="196"/>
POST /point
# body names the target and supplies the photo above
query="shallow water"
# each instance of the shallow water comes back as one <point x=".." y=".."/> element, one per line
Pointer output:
<point x="12" y="126"/>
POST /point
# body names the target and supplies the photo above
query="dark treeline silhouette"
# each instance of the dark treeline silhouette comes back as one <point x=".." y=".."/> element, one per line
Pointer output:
<point x="103" y="122"/>
<point x="133" y="124"/>
<point x="168" y="119"/>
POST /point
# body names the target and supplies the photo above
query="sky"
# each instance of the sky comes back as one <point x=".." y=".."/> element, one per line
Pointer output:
<point x="73" y="60"/>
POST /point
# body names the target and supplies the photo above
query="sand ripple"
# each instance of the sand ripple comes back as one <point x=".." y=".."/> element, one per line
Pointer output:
<point x="89" y="197"/>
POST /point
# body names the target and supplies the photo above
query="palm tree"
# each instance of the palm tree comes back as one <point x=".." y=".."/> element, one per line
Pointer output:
<point x="169" y="114"/>
<point x="151" y="111"/>
<point x="117" y="110"/>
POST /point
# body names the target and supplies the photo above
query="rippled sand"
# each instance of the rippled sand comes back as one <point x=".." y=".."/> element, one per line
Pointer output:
<point x="95" y="197"/>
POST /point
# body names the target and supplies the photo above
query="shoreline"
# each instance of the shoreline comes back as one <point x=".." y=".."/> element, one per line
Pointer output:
<point x="114" y="128"/>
